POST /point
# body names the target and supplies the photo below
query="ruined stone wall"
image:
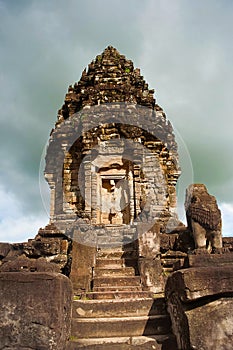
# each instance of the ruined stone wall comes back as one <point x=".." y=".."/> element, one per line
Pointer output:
<point x="49" y="251"/>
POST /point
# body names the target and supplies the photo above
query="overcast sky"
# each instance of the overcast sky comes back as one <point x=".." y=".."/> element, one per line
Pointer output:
<point x="184" y="50"/>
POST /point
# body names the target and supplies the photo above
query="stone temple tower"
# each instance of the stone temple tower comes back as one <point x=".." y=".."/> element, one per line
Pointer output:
<point x="112" y="164"/>
<point x="112" y="158"/>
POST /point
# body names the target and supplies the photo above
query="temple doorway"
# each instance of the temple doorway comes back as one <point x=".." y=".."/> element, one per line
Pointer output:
<point x="115" y="193"/>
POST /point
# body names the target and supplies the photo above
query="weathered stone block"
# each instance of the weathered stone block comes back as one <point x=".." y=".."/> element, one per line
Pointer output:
<point x="208" y="260"/>
<point x="46" y="246"/>
<point x="151" y="274"/>
<point x="24" y="264"/>
<point x="82" y="266"/>
<point x="202" y="326"/>
<point x="228" y="243"/>
<point x="211" y="325"/>
<point x="194" y="283"/>
<point x="200" y="304"/>
<point x="149" y="244"/>
<point x="167" y="241"/>
<point x="35" y="310"/>
<point x="4" y="249"/>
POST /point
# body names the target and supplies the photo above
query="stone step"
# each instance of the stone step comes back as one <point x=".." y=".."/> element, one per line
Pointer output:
<point x="171" y="254"/>
<point x="115" y="229"/>
<point x="116" y="233"/>
<point x="117" y="289"/>
<point x="114" y="244"/>
<point x="164" y="342"/>
<point x="117" y="254"/>
<point x="111" y="308"/>
<point x="117" y="251"/>
<point x="115" y="262"/>
<point x="120" y="326"/>
<point x="118" y="295"/>
<point x="114" y="241"/>
<point x="117" y="281"/>
<point x="106" y="272"/>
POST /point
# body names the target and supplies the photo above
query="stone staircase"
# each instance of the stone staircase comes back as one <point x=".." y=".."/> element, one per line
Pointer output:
<point x="117" y="314"/>
<point x="172" y="260"/>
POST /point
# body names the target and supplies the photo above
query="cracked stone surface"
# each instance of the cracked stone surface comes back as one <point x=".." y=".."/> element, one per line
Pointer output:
<point x="35" y="310"/>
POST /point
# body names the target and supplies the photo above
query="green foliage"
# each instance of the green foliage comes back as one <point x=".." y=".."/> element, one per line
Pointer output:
<point x="127" y="70"/>
<point x="81" y="297"/>
<point x="99" y="58"/>
<point x="73" y="338"/>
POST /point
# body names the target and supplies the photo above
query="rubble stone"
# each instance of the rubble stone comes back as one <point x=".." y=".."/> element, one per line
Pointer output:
<point x="24" y="264"/>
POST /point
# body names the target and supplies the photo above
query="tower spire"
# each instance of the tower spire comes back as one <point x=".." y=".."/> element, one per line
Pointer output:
<point x="110" y="78"/>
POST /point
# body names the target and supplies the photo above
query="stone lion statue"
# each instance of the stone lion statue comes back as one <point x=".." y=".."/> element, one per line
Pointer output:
<point x="204" y="219"/>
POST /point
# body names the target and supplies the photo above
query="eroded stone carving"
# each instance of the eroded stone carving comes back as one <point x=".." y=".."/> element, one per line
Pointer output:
<point x="204" y="219"/>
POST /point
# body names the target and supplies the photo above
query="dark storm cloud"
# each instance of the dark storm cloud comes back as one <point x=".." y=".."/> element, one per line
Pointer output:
<point x="190" y="65"/>
<point x="45" y="47"/>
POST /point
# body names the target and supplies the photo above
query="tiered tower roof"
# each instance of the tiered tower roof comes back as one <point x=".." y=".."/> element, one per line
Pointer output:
<point x="110" y="78"/>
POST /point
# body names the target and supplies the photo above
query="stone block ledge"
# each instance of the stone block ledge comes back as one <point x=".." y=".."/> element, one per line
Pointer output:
<point x="209" y="260"/>
<point x="198" y="282"/>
